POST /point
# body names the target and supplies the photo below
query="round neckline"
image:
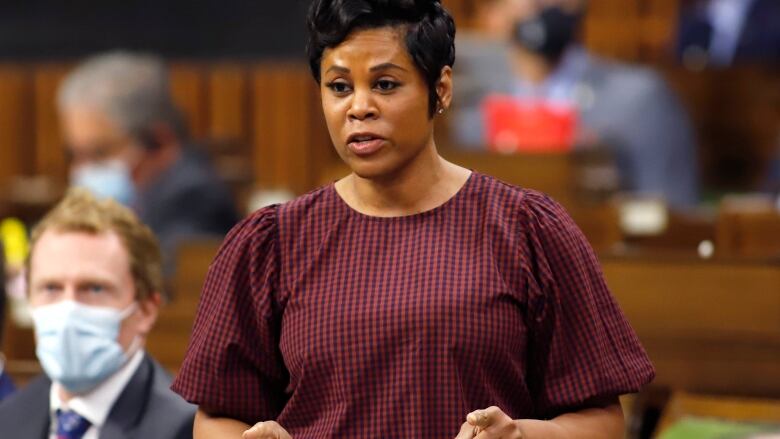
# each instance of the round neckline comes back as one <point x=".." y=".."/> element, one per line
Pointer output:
<point x="463" y="188"/>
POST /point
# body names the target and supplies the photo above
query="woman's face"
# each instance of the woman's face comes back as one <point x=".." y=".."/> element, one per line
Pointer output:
<point x="376" y="102"/>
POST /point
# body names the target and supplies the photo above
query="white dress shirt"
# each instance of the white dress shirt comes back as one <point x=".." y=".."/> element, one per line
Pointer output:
<point x="727" y="18"/>
<point x="95" y="405"/>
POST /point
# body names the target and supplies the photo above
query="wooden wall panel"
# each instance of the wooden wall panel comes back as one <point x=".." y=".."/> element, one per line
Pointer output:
<point x="282" y="123"/>
<point x="228" y="118"/>
<point x="16" y="131"/>
<point x="263" y="134"/>
<point x="283" y="110"/>
<point x="296" y="129"/>
<point x="50" y="157"/>
<point x="188" y="89"/>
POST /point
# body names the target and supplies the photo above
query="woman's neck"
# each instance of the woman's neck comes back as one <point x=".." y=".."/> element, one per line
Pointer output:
<point x="425" y="183"/>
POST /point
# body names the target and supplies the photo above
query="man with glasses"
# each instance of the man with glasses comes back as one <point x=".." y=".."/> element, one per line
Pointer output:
<point x="128" y="141"/>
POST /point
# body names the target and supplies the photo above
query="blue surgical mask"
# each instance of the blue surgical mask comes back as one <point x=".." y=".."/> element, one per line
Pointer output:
<point x="77" y="344"/>
<point x="109" y="179"/>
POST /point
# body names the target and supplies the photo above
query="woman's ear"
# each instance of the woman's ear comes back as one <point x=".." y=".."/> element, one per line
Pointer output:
<point x="444" y="89"/>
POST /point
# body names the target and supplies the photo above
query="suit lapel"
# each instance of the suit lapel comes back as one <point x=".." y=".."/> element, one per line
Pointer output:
<point x="129" y="408"/>
<point x="33" y="411"/>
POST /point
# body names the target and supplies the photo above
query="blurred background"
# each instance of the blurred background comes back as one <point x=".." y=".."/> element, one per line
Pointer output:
<point x="657" y="124"/>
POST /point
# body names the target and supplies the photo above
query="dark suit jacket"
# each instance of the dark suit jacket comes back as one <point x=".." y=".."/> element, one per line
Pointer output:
<point x="147" y="408"/>
<point x="187" y="200"/>
<point x="759" y="39"/>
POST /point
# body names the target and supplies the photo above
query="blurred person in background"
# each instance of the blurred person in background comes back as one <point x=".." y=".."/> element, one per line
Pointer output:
<point x="722" y="33"/>
<point x="628" y="109"/>
<point x="483" y="55"/>
<point x="128" y="141"/>
<point x="6" y="385"/>
<point x="95" y="288"/>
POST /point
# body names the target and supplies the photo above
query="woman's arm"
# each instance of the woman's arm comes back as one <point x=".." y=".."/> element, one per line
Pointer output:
<point x="595" y="423"/>
<point x="207" y="427"/>
<point x="591" y="423"/>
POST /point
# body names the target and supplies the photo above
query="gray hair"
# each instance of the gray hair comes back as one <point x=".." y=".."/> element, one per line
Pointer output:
<point x="132" y="89"/>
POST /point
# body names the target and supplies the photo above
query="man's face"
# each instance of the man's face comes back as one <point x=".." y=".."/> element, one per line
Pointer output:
<point x="92" y="269"/>
<point x="92" y="138"/>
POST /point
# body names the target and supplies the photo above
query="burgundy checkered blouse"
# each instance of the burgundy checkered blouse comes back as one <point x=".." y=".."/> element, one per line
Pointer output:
<point x="338" y="324"/>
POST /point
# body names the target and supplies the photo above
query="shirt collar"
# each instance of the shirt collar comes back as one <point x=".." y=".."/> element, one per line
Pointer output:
<point x="95" y="405"/>
<point x="727" y="18"/>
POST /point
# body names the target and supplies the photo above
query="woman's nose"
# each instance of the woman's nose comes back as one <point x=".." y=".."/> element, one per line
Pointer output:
<point x="362" y="106"/>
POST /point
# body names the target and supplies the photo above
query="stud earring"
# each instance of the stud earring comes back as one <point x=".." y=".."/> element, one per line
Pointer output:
<point x="441" y="111"/>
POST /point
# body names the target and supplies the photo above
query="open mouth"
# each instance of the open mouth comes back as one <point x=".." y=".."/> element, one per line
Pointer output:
<point x="364" y="144"/>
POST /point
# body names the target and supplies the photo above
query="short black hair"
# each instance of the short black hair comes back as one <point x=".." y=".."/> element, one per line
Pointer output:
<point x="430" y="32"/>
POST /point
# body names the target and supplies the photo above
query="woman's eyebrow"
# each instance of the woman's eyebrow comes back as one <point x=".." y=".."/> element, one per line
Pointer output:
<point x="338" y="69"/>
<point x="378" y="67"/>
<point x="386" y="66"/>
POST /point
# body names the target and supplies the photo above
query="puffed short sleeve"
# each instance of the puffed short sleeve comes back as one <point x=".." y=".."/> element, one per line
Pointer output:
<point x="581" y="346"/>
<point x="233" y="366"/>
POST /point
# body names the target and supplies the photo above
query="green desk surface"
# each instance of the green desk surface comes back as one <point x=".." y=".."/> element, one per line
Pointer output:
<point x="703" y="428"/>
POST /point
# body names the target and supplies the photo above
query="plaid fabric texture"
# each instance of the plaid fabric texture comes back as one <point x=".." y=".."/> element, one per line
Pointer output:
<point x="338" y="324"/>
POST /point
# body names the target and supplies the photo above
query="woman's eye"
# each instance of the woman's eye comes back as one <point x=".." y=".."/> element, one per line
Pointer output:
<point x="338" y="87"/>
<point x="386" y="85"/>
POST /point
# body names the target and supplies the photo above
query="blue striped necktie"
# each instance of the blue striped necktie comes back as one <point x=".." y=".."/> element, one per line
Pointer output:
<point x="71" y="425"/>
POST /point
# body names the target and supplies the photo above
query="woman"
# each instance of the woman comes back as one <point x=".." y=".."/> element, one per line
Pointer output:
<point x="412" y="298"/>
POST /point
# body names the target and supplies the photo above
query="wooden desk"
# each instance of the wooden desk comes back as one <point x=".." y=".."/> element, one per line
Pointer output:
<point x="170" y="337"/>
<point x="749" y="234"/>
<point x="709" y="326"/>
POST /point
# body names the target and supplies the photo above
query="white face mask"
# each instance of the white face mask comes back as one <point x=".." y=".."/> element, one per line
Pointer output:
<point x="77" y="344"/>
<point x="109" y="179"/>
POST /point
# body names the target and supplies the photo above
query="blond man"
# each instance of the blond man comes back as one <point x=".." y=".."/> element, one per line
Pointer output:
<point x="95" y="289"/>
